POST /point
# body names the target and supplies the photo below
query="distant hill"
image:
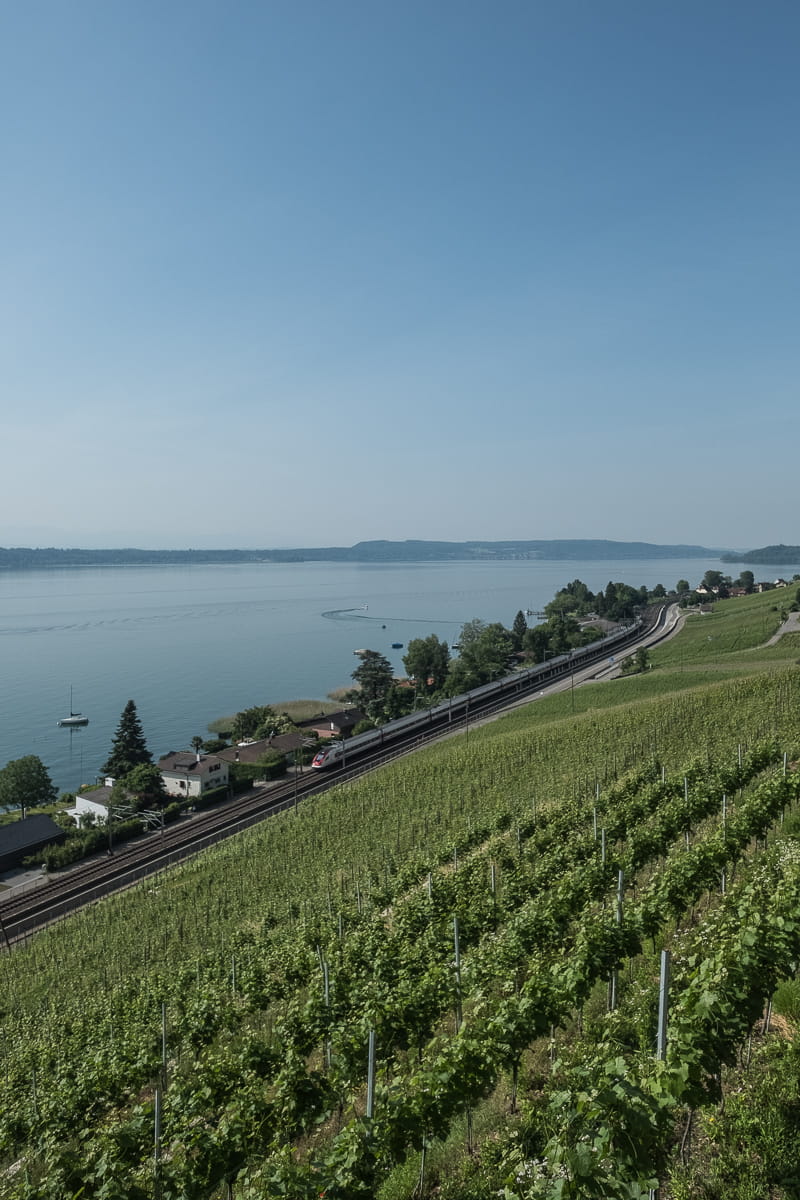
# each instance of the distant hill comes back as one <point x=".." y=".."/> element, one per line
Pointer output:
<point x="373" y="551"/>
<point x="564" y="550"/>
<point x="785" y="555"/>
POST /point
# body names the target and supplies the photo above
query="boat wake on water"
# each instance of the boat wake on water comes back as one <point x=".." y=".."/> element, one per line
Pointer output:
<point x="349" y="614"/>
<point x="359" y="614"/>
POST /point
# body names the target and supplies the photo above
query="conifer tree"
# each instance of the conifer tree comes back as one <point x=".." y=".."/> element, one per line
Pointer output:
<point x="129" y="748"/>
<point x="518" y="630"/>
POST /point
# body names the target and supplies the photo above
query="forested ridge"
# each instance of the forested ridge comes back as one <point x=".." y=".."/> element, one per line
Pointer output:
<point x="371" y="551"/>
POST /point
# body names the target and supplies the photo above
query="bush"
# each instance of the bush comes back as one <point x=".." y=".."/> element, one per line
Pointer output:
<point x="207" y="799"/>
<point x="215" y="744"/>
<point x="271" y="765"/>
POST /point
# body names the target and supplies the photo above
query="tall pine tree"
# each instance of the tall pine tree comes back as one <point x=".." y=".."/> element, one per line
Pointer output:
<point x="129" y="749"/>
<point x="518" y="630"/>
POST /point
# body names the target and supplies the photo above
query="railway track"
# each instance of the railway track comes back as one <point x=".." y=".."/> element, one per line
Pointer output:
<point x="22" y="913"/>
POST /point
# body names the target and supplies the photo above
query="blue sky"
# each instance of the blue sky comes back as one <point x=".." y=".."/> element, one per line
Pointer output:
<point x="304" y="273"/>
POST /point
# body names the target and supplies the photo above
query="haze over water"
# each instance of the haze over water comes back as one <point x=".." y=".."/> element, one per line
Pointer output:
<point x="190" y="644"/>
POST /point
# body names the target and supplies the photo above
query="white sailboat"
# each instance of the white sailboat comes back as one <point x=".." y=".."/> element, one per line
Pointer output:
<point x="73" y="718"/>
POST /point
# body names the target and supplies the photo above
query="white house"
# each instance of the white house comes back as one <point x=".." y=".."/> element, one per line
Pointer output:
<point x="94" y="803"/>
<point x="188" y="774"/>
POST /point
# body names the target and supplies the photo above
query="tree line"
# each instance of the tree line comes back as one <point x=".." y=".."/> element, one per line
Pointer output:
<point x="486" y="651"/>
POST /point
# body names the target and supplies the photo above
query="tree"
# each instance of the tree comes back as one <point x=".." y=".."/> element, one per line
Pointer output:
<point x="129" y="748"/>
<point x="537" y="642"/>
<point x="258" y="722"/>
<point x="397" y="702"/>
<point x="484" y="655"/>
<point x="374" y="677"/>
<point x="25" y="783"/>
<point x="747" y="580"/>
<point x="642" y="658"/>
<point x="143" y="787"/>
<point x="562" y="633"/>
<point x="621" y="600"/>
<point x="470" y="632"/>
<point x="574" y="598"/>
<point x="712" y="579"/>
<point x="518" y="630"/>
<point x="682" y="586"/>
<point x="426" y="662"/>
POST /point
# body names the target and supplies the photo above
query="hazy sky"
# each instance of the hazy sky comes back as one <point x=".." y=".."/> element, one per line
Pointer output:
<point x="306" y="272"/>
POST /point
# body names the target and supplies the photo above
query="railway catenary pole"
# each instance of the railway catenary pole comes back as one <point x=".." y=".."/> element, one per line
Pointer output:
<point x="180" y="841"/>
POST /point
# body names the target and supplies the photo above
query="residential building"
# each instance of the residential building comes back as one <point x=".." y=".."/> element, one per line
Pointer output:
<point x="93" y="804"/>
<point x="19" y="839"/>
<point x="334" y="725"/>
<point x="251" y="751"/>
<point x="186" y="773"/>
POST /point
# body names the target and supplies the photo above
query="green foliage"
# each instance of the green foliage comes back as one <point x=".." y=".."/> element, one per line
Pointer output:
<point x="258" y="722"/>
<point x="129" y="748"/>
<point x="484" y="655"/>
<point x="574" y="599"/>
<point x="266" y="1065"/>
<point x="398" y="701"/>
<point x="374" y="677"/>
<point x="25" y="783"/>
<point x="213" y="745"/>
<point x="621" y="601"/>
<point x="426" y="662"/>
<point x="537" y="642"/>
<point x="83" y="842"/>
<point x="270" y="765"/>
<point x="143" y="787"/>
<point x="518" y="630"/>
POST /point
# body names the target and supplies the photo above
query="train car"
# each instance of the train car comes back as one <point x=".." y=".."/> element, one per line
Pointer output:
<point x="340" y="752"/>
<point x="327" y="756"/>
<point x="482" y="698"/>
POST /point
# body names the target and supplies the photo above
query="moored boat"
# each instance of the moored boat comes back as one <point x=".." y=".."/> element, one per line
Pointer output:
<point x="73" y="718"/>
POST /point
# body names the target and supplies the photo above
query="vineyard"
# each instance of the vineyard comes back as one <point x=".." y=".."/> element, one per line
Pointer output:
<point x="517" y="964"/>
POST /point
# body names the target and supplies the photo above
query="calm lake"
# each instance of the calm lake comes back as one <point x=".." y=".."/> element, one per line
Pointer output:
<point x="192" y="643"/>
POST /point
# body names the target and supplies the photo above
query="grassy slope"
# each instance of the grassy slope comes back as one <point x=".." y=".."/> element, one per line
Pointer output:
<point x="711" y="687"/>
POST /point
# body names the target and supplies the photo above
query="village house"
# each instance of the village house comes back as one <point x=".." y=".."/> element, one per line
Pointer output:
<point x="186" y="773"/>
<point x="252" y="751"/>
<point x="92" y="806"/>
<point x="334" y="725"/>
<point x="19" y="839"/>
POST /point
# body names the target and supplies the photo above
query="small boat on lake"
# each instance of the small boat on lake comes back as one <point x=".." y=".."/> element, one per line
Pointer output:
<point x="73" y="718"/>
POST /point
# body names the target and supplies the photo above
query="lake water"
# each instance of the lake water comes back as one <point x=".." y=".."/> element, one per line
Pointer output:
<point x="192" y="643"/>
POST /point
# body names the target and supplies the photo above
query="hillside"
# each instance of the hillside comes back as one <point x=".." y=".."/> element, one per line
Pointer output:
<point x="374" y="551"/>
<point x="767" y="555"/>
<point x="465" y="907"/>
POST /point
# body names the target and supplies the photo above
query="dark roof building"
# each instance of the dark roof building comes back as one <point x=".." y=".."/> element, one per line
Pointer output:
<point x="252" y="751"/>
<point x="335" y="724"/>
<point x="18" y="839"/>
